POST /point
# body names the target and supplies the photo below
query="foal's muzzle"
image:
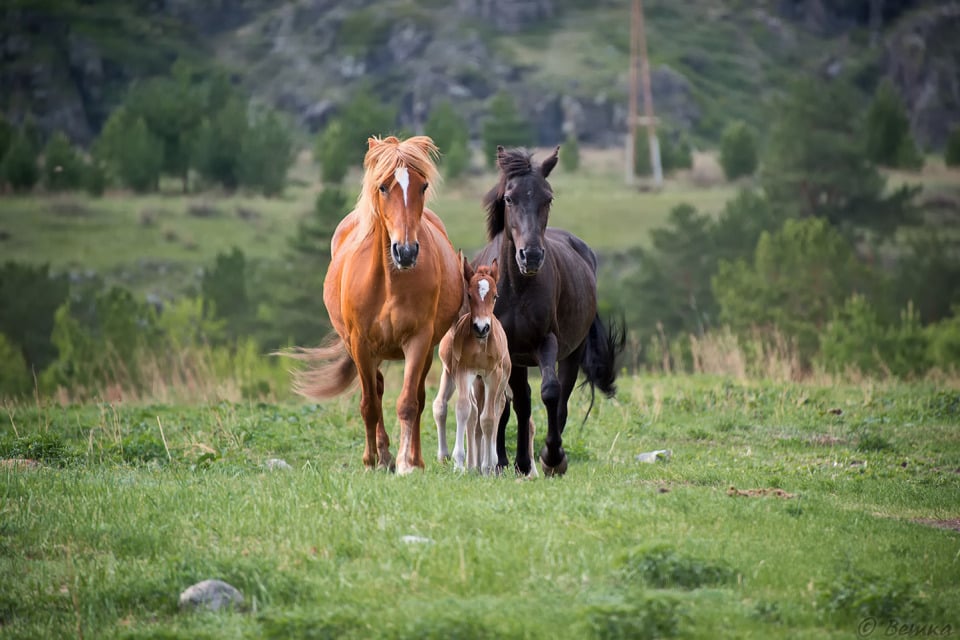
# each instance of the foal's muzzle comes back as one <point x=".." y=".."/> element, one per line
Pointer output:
<point x="481" y="329"/>
<point x="530" y="260"/>
<point x="405" y="255"/>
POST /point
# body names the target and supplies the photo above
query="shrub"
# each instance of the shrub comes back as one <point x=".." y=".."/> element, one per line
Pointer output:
<point x="675" y="153"/>
<point x="738" y="151"/>
<point x="951" y="154"/>
<point x="19" y="165"/>
<point x="129" y="151"/>
<point x="266" y="153"/>
<point x="219" y="142"/>
<point x="570" y="154"/>
<point x="943" y="342"/>
<point x="887" y="131"/>
<point x="853" y="338"/>
<point x="343" y="143"/>
<point x="63" y="168"/>
<point x="29" y="298"/>
<point x="798" y="276"/>
<point x="504" y="126"/>
<point x="15" y="379"/>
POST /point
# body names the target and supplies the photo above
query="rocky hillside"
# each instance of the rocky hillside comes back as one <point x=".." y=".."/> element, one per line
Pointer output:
<point x="564" y="61"/>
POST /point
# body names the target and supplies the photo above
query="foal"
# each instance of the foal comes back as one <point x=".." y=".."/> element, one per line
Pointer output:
<point x="474" y="350"/>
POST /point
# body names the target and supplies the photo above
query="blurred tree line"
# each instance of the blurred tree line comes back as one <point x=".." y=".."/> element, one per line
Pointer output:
<point x="817" y="247"/>
<point x="821" y="250"/>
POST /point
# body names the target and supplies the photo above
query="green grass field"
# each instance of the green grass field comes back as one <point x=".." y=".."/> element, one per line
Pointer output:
<point x="132" y="504"/>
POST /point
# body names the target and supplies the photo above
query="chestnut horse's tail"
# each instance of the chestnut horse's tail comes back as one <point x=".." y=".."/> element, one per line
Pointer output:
<point x="599" y="364"/>
<point x="332" y="370"/>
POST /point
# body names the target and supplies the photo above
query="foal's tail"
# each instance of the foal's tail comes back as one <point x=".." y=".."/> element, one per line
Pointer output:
<point x="599" y="363"/>
<point x="332" y="371"/>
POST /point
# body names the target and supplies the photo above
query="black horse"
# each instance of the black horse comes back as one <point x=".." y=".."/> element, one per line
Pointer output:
<point x="547" y="305"/>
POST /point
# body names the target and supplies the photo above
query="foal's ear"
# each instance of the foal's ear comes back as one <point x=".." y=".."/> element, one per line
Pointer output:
<point x="547" y="165"/>
<point x="467" y="269"/>
<point x="495" y="270"/>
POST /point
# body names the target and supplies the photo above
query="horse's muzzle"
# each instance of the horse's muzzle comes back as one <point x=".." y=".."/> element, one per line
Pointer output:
<point x="481" y="330"/>
<point x="530" y="260"/>
<point x="405" y="255"/>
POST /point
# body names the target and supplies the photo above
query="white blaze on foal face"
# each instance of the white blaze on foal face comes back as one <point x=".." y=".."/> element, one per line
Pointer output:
<point x="482" y="307"/>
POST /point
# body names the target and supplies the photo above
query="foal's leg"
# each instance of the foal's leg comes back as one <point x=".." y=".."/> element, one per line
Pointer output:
<point x="447" y="385"/>
<point x="473" y="430"/>
<point x="521" y="406"/>
<point x="495" y="398"/>
<point x="466" y="417"/>
<point x="552" y="456"/>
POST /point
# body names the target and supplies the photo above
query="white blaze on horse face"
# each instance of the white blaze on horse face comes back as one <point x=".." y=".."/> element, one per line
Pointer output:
<point x="403" y="179"/>
<point x="483" y="288"/>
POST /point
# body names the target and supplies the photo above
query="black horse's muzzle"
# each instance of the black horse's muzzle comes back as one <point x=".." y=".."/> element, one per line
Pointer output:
<point x="530" y="260"/>
<point x="405" y="255"/>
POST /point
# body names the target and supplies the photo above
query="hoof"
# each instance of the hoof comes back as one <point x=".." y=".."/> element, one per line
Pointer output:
<point x="388" y="463"/>
<point x="553" y="470"/>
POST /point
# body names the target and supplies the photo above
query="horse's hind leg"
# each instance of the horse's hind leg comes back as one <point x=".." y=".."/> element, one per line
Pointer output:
<point x="440" y="405"/>
<point x="567" y="371"/>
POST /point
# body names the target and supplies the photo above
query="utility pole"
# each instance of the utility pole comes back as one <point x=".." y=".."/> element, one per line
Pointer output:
<point x="631" y="142"/>
<point x="638" y="49"/>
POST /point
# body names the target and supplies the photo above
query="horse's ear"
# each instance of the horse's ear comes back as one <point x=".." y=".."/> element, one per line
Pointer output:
<point x="501" y="156"/>
<point x="372" y="142"/>
<point x="547" y="166"/>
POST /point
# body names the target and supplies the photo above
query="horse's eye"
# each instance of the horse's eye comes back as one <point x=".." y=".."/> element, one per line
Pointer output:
<point x="383" y="189"/>
<point x="423" y="189"/>
<point x="508" y="199"/>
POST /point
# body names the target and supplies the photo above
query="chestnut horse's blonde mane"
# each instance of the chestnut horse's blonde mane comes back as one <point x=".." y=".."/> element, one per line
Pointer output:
<point x="384" y="156"/>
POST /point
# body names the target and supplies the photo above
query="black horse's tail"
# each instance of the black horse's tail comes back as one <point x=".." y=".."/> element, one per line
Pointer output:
<point x="599" y="364"/>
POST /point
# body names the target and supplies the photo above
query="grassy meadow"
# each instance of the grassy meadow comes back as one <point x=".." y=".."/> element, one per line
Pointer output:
<point x="784" y="511"/>
<point x="173" y="234"/>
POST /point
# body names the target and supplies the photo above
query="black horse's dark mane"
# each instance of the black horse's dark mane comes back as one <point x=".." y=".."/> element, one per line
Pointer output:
<point x="513" y="163"/>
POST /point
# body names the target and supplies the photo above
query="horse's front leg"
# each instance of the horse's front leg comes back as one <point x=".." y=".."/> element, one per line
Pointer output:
<point x="521" y="406"/>
<point x="371" y="389"/>
<point x="417" y="355"/>
<point x="552" y="456"/>
<point x="447" y="385"/>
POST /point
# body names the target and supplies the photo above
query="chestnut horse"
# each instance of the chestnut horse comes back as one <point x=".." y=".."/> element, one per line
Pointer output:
<point x="547" y="305"/>
<point x="475" y="361"/>
<point x="392" y="290"/>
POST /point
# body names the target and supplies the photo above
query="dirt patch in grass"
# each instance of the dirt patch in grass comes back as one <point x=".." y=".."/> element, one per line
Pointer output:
<point x="18" y="464"/>
<point x="951" y="523"/>
<point x="759" y="493"/>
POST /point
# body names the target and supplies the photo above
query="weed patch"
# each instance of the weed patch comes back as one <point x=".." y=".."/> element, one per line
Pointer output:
<point x="634" y="617"/>
<point x="861" y="594"/>
<point x="661" y="567"/>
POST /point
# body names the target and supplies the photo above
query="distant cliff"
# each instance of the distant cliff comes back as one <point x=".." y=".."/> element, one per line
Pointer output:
<point x="68" y="66"/>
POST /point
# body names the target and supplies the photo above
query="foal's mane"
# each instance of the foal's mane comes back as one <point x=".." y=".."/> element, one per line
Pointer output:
<point x="513" y="163"/>
<point x="385" y="155"/>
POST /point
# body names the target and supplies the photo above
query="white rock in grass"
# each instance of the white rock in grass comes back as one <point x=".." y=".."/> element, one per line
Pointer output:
<point x="212" y="595"/>
<point x="275" y="464"/>
<point x="654" y="456"/>
<point x="416" y="540"/>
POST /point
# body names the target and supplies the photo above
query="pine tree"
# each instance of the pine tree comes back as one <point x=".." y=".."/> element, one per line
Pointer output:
<point x="62" y="167"/>
<point x="570" y="154"/>
<point x="19" y="166"/>
<point x="738" y="151"/>
<point x="504" y="126"/>
<point x="266" y="154"/>
<point x="887" y="131"/>
<point x="343" y="144"/>
<point x="130" y="153"/>
<point x="219" y="141"/>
